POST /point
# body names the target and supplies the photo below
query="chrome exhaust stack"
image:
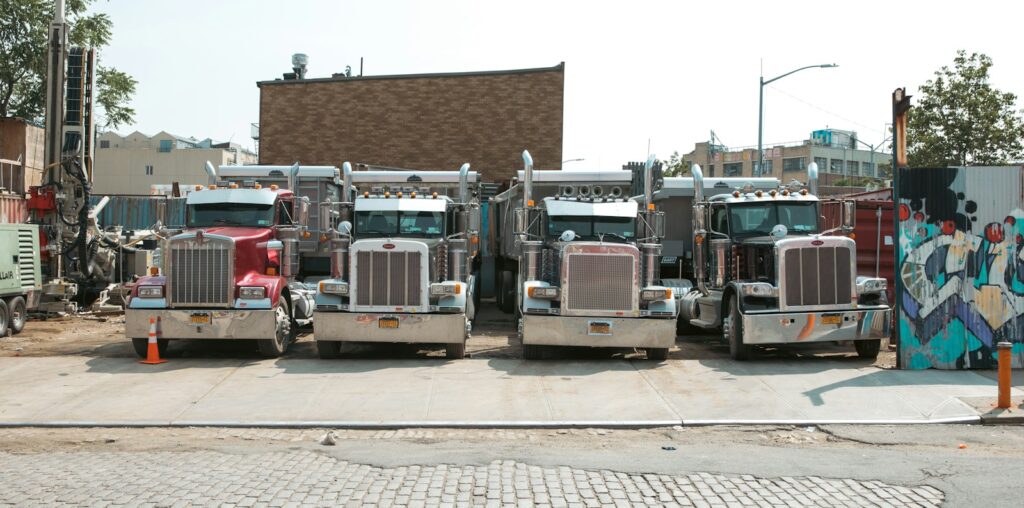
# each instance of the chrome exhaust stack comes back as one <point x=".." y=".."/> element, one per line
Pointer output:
<point x="528" y="179"/>
<point x="464" y="184"/>
<point x="812" y="178"/>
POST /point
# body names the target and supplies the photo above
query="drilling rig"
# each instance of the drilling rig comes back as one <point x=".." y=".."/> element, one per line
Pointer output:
<point x="75" y="255"/>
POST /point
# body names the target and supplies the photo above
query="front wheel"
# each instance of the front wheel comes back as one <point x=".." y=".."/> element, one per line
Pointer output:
<point x="275" y="347"/>
<point x="732" y="328"/>
<point x="328" y="349"/>
<point x="868" y="348"/>
<point x="657" y="354"/>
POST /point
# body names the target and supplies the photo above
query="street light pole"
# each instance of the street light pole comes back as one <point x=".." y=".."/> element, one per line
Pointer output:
<point x="760" y="110"/>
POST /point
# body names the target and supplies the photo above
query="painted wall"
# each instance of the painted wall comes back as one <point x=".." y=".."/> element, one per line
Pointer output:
<point x="961" y="264"/>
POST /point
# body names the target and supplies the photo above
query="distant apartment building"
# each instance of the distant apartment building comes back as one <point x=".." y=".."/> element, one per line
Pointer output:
<point x="134" y="163"/>
<point x="838" y="153"/>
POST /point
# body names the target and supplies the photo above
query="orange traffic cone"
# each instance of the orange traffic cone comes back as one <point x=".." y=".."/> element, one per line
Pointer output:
<point x="153" y="351"/>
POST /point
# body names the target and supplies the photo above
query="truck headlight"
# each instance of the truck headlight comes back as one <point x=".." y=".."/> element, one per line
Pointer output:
<point x="151" y="291"/>
<point x="656" y="294"/>
<point x="334" y="288"/>
<point x="760" y="290"/>
<point x="871" y="285"/>
<point x="445" y="289"/>
<point x="547" y="293"/>
<point x="252" y="292"/>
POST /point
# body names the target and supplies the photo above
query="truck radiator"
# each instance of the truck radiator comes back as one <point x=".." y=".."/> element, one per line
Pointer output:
<point x="600" y="282"/>
<point x="26" y="258"/>
<point x="818" y="276"/>
<point x="200" y="274"/>
<point x="390" y="279"/>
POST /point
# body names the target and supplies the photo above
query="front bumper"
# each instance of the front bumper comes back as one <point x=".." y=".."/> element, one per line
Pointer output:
<point x="412" y="328"/>
<point x="798" y="327"/>
<point x="223" y="323"/>
<point x="575" y="331"/>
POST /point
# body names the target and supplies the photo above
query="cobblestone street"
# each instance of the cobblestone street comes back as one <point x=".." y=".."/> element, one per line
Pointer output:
<point x="304" y="477"/>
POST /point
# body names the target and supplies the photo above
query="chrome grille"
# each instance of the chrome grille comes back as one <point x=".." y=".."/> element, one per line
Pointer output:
<point x="388" y="279"/>
<point x="818" y="276"/>
<point x="199" y="274"/>
<point x="600" y="282"/>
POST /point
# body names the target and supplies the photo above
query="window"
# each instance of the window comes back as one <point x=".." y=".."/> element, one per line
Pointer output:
<point x="165" y="145"/>
<point x="793" y="164"/>
<point x="822" y="163"/>
<point x="104" y="143"/>
<point x="852" y="168"/>
<point x="867" y="168"/>
<point x="759" y="218"/>
<point x="399" y="223"/>
<point x="836" y="167"/>
<point x="593" y="227"/>
<point x="733" y="169"/>
<point x="768" y="167"/>
<point x="711" y="170"/>
<point x="149" y="170"/>
<point x="230" y="214"/>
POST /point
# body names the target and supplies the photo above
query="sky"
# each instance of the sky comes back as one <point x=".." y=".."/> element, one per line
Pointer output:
<point x="640" y="75"/>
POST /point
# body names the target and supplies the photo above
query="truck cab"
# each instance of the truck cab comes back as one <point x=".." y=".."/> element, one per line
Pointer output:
<point x="586" y="263"/>
<point x="403" y="264"/>
<point x="233" y="272"/>
<point x="766" y="272"/>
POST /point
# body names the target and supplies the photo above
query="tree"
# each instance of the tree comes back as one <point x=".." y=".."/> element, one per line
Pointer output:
<point x="961" y="120"/>
<point x="24" y="27"/>
<point x="676" y="166"/>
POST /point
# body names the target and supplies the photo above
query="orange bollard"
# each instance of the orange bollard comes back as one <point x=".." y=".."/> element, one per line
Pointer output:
<point x="153" y="349"/>
<point x="1005" y="360"/>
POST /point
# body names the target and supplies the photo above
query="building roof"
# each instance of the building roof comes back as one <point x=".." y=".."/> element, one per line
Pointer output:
<point x="558" y="68"/>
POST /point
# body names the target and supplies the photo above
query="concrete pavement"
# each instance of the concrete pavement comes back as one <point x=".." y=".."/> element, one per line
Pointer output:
<point x="497" y="392"/>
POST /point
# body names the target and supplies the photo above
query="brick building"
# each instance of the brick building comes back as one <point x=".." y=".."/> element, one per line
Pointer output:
<point x="417" y="121"/>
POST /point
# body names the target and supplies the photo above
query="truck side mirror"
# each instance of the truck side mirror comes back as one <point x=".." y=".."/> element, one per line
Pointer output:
<point x="302" y="211"/>
<point x="849" y="215"/>
<point x="345" y="228"/>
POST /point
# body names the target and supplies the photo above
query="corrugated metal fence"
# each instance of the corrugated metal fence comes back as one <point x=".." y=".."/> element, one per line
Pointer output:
<point x="961" y="266"/>
<point x="139" y="212"/>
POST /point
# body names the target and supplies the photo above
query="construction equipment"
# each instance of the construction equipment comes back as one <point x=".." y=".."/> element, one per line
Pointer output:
<point x="20" y="277"/>
<point x="404" y="263"/>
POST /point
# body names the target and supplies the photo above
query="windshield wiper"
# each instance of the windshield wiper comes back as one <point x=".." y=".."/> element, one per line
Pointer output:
<point x="615" y="235"/>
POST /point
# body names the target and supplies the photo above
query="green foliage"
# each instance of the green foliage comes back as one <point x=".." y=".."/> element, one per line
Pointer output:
<point x="676" y="166"/>
<point x="24" y="27"/>
<point x="961" y="120"/>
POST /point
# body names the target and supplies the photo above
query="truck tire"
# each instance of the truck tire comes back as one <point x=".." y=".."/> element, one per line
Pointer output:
<point x="328" y="349"/>
<point x="5" y="317"/>
<point x="18" y="311"/>
<point x="508" y="292"/>
<point x="275" y="347"/>
<point x="732" y="328"/>
<point x="868" y="348"/>
<point x="141" y="347"/>
<point x="657" y="354"/>
<point x="455" y="350"/>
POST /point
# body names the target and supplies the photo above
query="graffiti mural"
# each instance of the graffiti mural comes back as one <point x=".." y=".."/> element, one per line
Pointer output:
<point x="961" y="265"/>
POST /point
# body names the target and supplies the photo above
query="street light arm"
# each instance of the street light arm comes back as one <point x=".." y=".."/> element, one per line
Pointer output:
<point x="776" y="78"/>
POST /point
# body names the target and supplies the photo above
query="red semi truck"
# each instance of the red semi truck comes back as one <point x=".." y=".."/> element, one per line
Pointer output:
<point x="236" y="271"/>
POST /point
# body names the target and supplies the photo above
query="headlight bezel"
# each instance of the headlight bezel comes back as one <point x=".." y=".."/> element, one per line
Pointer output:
<point x="872" y="285"/>
<point x="759" y="290"/>
<point x="252" y="292"/>
<point x="445" y="289"/>
<point x="544" y="292"/>
<point x="655" y="294"/>
<point x="151" y="291"/>
<point x="334" y="288"/>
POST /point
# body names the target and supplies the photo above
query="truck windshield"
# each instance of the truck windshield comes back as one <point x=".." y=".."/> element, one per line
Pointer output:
<point x="757" y="219"/>
<point x="399" y="223"/>
<point x="230" y="214"/>
<point x="589" y="227"/>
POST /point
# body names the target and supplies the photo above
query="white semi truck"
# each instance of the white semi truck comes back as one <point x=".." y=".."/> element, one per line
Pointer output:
<point x="578" y="259"/>
<point x="403" y="260"/>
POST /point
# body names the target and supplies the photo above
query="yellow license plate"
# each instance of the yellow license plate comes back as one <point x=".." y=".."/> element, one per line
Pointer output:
<point x="831" y="319"/>
<point x="387" y="322"/>
<point x="200" y="318"/>
<point x="600" y="329"/>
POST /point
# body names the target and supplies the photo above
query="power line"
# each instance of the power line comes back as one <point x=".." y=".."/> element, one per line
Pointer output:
<point x="823" y="110"/>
